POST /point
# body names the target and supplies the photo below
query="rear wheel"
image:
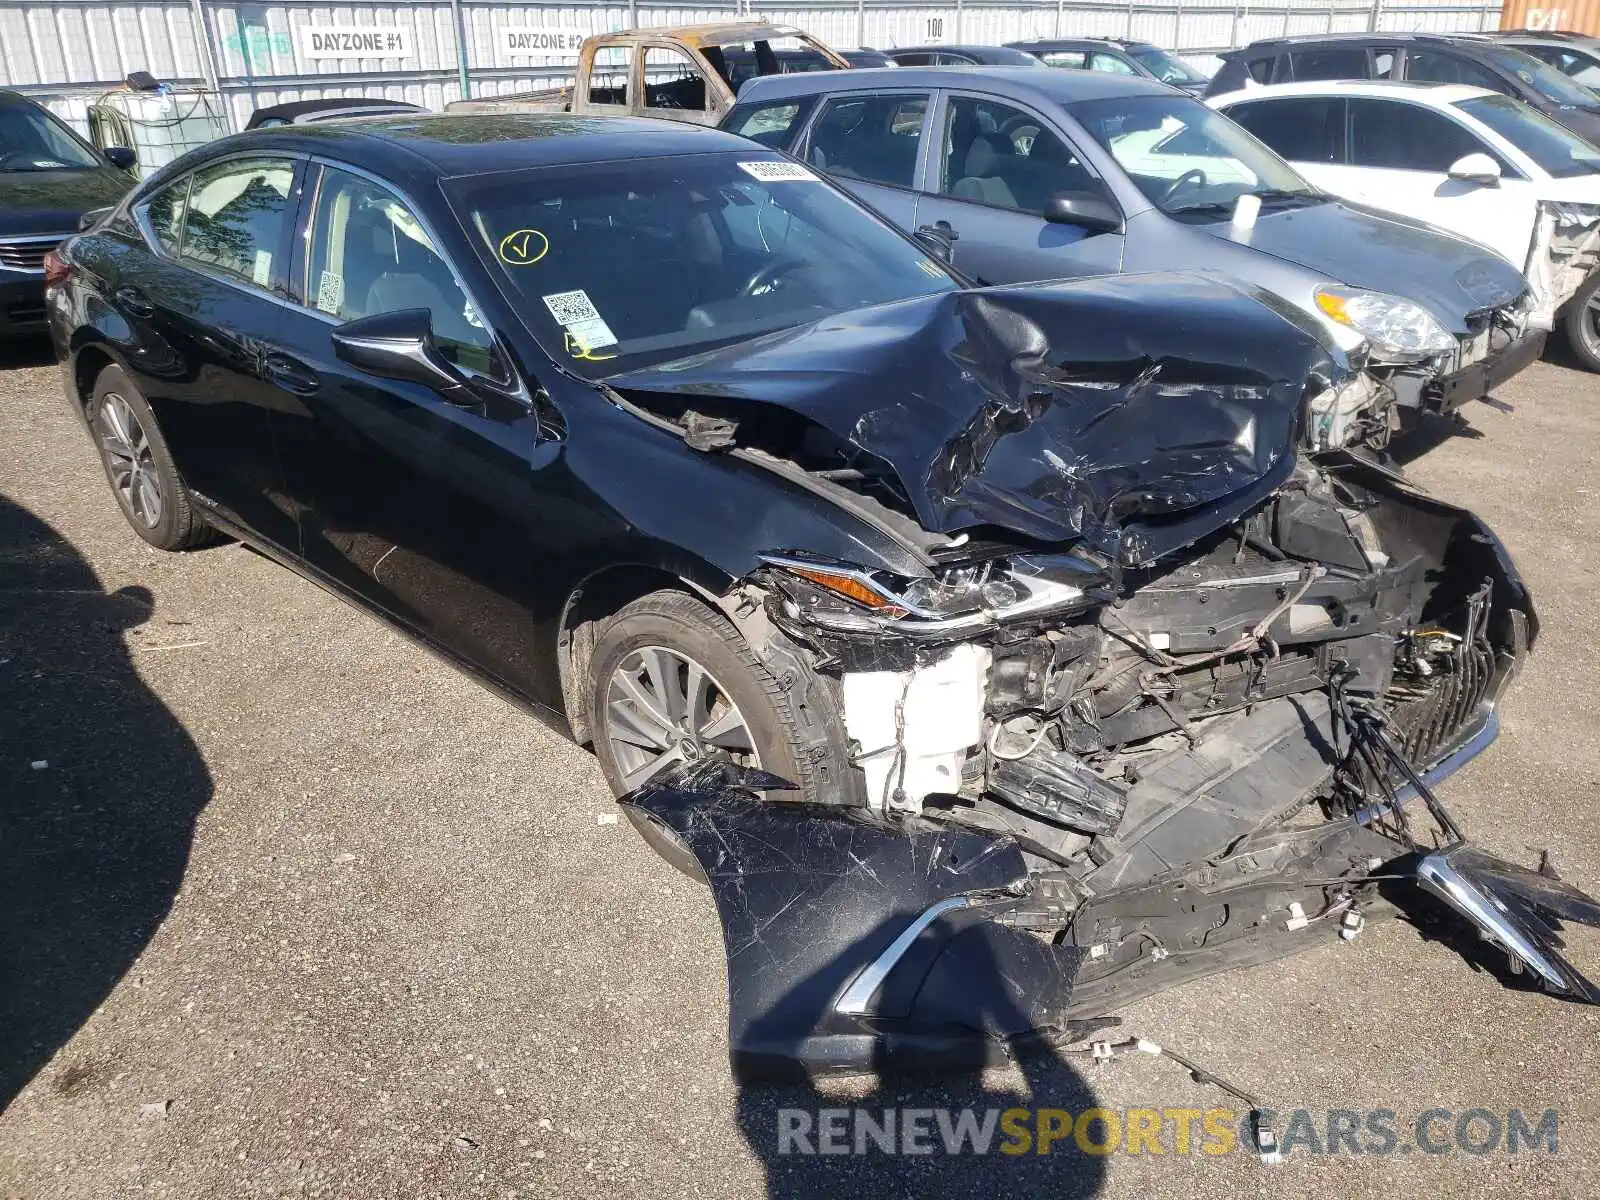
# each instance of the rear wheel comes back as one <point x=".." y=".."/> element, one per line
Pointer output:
<point x="1580" y="321"/>
<point x="139" y="466"/>
<point x="674" y="682"/>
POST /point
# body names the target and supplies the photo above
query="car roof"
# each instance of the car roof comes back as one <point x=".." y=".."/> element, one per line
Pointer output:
<point x="1063" y="87"/>
<point x="9" y="97"/>
<point x="1386" y="89"/>
<point x="1079" y="43"/>
<point x="1005" y="52"/>
<point x="1466" y="41"/>
<point x="1550" y="36"/>
<point x="300" y="108"/>
<point x="427" y="146"/>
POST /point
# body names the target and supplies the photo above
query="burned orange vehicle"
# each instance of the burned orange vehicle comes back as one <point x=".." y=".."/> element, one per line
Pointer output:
<point x="683" y="73"/>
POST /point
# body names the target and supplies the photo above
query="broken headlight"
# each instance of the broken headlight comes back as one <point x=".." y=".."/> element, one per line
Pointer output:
<point x="1398" y="330"/>
<point x="958" y="599"/>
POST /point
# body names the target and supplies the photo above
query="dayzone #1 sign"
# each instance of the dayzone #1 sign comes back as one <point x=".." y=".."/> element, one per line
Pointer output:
<point x="352" y="41"/>
<point x="546" y="40"/>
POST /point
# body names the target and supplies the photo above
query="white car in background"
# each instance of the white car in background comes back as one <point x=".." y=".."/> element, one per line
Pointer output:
<point x="1465" y="159"/>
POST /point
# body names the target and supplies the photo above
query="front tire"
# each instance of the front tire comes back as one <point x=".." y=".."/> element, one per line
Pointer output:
<point x="1580" y="322"/>
<point x="139" y="466"/>
<point x="673" y="681"/>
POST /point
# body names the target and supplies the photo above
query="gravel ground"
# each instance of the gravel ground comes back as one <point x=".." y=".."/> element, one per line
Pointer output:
<point x="294" y="909"/>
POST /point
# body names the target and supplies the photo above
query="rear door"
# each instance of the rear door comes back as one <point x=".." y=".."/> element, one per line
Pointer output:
<point x="207" y="306"/>
<point x="872" y="144"/>
<point x="993" y="167"/>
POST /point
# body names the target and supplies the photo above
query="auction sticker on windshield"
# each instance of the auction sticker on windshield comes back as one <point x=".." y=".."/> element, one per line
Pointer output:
<point x="577" y="314"/>
<point x="777" y="172"/>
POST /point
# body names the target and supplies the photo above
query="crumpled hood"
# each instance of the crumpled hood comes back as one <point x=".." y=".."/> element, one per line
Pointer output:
<point x="52" y="201"/>
<point x="1139" y="412"/>
<point x="1385" y="252"/>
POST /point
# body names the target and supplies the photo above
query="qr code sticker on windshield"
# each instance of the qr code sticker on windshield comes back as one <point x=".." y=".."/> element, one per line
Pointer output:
<point x="571" y="308"/>
<point x="777" y="172"/>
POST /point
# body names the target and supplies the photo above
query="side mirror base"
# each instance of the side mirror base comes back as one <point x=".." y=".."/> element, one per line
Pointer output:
<point x="400" y="345"/>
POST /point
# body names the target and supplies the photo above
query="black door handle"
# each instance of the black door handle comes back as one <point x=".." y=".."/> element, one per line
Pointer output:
<point x="135" y="301"/>
<point x="290" y="375"/>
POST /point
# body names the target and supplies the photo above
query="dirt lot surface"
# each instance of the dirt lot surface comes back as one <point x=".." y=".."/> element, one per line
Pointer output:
<point x="293" y="909"/>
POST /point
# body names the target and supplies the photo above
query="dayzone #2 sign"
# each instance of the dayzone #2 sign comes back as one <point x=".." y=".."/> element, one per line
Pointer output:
<point x="352" y="41"/>
<point x="553" y="41"/>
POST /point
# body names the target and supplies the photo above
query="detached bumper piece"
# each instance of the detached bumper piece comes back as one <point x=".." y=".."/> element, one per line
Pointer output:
<point x="855" y="944"/>
<point x="1519" y="910"/>
<point x="1479" y="379"/>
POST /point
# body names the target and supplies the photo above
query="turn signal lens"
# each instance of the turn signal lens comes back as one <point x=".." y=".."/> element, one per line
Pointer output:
<point x="847" y="586"/>
<point x="56" y="269"/>
<point x="1334" y="306"/>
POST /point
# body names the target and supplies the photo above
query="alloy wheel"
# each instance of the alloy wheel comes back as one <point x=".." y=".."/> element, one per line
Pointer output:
<point x="126" y="449"/>
<point x="1589" y="325"/>
<point x="663" y="708"/>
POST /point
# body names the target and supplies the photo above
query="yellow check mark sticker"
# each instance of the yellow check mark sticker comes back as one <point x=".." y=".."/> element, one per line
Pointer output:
<point x="523" y="247"/>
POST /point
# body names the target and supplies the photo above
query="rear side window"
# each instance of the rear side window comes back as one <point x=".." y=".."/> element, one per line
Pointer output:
<point x="1300" y="129"/>
<point x="1261" y="69"/>
<point x="237" y="218"/>
<point x="608" y="78"/>
<point x="1077" y="60"/>
<point x="1407" y="137"/>
<point x="1342" y="62"/>
<point x="1430" y="66"/>
<point x="913" y="60"/>
<point x="874" y="138"/>
<point x="1110" y="64"/>
<point x="770" y="124"/>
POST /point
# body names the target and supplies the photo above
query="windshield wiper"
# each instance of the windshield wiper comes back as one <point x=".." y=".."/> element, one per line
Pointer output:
<point x="1204" y="206"/>
<point x="1284" y="196"/>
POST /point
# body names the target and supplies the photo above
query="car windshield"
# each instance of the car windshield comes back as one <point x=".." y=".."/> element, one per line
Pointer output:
<point x="1560" y="153"/>
<point x="1166" y="67"/>
<point x="32" y="140"/>
<point x="1540" y="76"/>
<point x="1190" y="160"/>
<point x="617" y="266"/>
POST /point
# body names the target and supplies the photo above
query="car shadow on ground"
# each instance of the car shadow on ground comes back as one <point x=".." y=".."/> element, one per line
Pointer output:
<point x="100" y="787"/>
<point x="19" y="353"/>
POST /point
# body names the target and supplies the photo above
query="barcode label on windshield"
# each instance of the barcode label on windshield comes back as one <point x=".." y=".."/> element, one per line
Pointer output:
<point x="578" y="315"/>
<point x="777" y="172"/>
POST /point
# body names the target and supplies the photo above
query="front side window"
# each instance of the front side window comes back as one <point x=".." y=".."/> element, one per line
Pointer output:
<point x="1557" y="151"/>
<point x="1343" y="62"/>
<point x="1188" y="159"/>
<point x="1540" y="78"/>
<point x="1111" y="64"/>
<point x="1299" y="129"/>
<point x="672" y="81"/>
<point x="237" y="218"/>
<point x="873" y="138"/>
<point x="771" y="124"/>
<point x="1168" y="68"/>
<point x="609" y="77"/>
<point x="1075" y="60"/>
<point x="1580" y="67"/>
<point x="1430" y="66"/>
<point x="1006" y="157"/>
<point x="33" y="140"/>
<point x="369" y="254"/>
<point x="621" y="265"/>
<point x="1407" y="137"/>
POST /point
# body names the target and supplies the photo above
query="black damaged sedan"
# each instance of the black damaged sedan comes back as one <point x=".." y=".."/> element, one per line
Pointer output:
<point x="996" y="655"/>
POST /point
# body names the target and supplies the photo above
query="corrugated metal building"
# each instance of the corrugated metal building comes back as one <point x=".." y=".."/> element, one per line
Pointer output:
<point x="66" y="52"/>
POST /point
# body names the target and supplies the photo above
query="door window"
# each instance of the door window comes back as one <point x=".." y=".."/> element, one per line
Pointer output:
<point x="609" y="76"/>
<point x="672" y="81"/>
<point x="1580" y="66"/>
<point x="1110" y="64"/>
<point x="1383" y="63"/>
<point x="164" y="213"/>
<point x="1006" y="157"/>
<point x="919" y="59"/>
<point x="1430" y="66"/>
<point x="369" y="254"/>
<point x="874" y="138"/>
<point x="1300" y="129"/>
<point x="1407" y="137"/>
<point x="1076" y="60"/>
<point x="237" y="217"/>
<point x="1342" y="62"/>
<point x="770" y="124"/>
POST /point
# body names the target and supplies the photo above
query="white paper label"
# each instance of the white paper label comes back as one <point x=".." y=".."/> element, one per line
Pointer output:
<point x="777" y="172"/>
<point x="330" y="292"/>
<point x="541" y="41"/>
<point x="261" y="273"/>
<point x="352" y="41"/>
<point x="578" y="315"/>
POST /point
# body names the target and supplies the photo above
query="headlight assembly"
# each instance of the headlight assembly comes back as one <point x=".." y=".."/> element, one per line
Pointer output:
<point x="958" y="600"/>
<point x="1398" y="330"/>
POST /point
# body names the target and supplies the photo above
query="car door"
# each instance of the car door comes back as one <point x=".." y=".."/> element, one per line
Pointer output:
<point x="204" y="307"/>
<point x="993" y="168"/>
<point x="1400" y="156"/>
<point x="871" y="143"/>
<point x="424" y="508"/>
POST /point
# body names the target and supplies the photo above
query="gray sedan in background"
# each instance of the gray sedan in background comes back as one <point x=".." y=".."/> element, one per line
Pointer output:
<point x="1021" y="174"/>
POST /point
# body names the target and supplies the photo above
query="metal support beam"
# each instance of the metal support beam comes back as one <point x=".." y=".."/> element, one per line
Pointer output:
<point x="202" y="39"/>
<point x="463" y="63"/>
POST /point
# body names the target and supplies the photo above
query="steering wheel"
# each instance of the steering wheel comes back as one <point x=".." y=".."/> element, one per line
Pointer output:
<point x="1191" y="178"/>
<point x="1011" y="128"/>
<point x="769" y="273"/>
